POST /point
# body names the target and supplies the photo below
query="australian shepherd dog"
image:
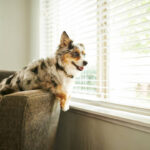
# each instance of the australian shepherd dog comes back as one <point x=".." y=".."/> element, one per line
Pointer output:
<point x="53" y="74"/>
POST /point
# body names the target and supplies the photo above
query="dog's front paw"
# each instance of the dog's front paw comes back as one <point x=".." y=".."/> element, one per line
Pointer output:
<point x="66" y="107"/>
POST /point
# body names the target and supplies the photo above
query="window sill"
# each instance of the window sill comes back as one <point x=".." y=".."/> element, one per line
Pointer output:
<point x="124" y="118"/>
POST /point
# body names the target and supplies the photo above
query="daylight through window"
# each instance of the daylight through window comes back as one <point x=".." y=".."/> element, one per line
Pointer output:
<point x="116" y="35"/>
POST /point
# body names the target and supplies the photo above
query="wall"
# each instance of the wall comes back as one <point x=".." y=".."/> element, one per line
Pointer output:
<point x="19" y="33"/>
<point x="34" y="29"/>
<point x="79" y="132"/>
<point x="14" y="35"/>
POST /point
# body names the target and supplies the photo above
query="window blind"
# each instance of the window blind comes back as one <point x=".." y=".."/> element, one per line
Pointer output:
<point x="81" y="20"/>
<point x="129" y="51"/>
<point x="116" y="37"/>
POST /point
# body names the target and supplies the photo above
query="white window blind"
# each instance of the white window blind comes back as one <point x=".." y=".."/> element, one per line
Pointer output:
<point x="81" y="20"/>
<point x="129" y="52"/>
<point x="116" y="35"/>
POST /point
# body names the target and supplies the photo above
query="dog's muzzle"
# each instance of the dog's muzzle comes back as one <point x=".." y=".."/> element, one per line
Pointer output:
<point x="80" y="68"/>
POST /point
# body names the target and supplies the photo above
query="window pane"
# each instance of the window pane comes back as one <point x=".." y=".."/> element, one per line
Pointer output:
<point x="129" y="53"/>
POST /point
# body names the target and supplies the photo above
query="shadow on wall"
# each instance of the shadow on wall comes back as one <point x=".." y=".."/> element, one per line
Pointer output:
<point x="80" y="132"/>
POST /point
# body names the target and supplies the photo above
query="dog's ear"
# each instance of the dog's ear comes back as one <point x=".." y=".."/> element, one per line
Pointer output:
<point x="65" y="40"/>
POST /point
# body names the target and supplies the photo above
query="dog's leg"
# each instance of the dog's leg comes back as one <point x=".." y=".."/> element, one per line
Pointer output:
<point x="64" y="100"/>
<point x="63" y="96"/>
<point x="67" y="105"/>
<point x="58" y="92"/>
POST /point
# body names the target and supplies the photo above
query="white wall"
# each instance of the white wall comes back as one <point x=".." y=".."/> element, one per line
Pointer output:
<point x="18" y="33"/>
<point x="34" y="29"/>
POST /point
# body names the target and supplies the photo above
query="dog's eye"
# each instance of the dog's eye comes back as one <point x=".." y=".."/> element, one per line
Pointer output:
<point x="75" y="54"/>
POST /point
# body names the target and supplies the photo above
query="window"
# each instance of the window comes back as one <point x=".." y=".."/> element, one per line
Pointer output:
<point x="116" y="34"/>
<point x="129" y="52"/>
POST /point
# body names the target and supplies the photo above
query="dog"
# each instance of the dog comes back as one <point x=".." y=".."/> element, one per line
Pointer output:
<point x="53" y="74"/>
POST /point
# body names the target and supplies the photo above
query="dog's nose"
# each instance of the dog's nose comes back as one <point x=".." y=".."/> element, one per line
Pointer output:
<point x="85" y="63"/>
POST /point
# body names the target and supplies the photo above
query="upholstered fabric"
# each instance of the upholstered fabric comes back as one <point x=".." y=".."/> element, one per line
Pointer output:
<point x="28" y="121"/>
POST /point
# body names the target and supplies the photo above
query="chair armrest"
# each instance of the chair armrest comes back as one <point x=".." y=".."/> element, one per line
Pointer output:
<point x="28" y="120"/>
<point x="4" y="74"/>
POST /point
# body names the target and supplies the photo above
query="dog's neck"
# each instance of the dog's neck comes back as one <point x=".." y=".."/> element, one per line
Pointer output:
<point x="61" y="68"/>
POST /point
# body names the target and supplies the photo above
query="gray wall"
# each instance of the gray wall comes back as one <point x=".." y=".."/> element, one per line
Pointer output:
<point x="80" y="132"/>
<point x="19" y="33"/>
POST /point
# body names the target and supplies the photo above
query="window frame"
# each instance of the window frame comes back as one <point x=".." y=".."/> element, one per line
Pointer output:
<point x="102" y="68"/>
<point x="112" y="105"/>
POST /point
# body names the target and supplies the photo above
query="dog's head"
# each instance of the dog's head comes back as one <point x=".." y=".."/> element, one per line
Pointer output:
<point x="70" y="55"/>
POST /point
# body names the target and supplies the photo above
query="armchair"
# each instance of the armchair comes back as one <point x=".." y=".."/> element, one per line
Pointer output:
<point x="28" y="120"/>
